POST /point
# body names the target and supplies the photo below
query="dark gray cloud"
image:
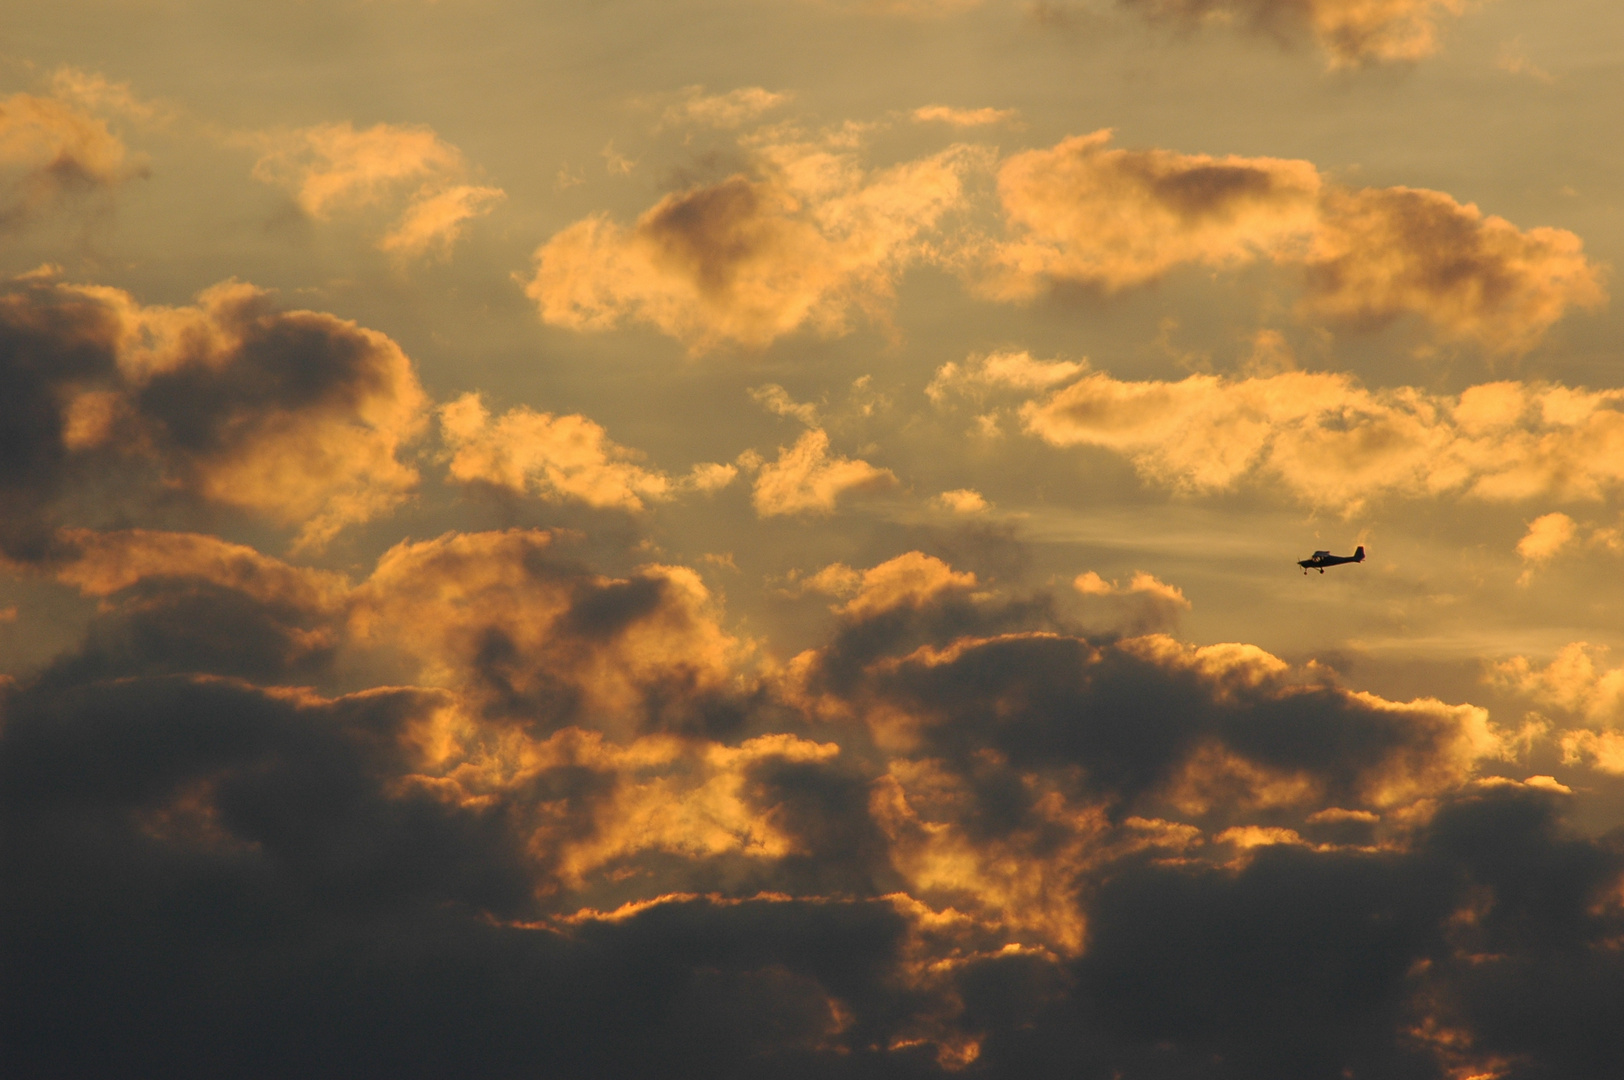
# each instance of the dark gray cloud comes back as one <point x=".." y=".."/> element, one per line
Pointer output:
<point x="210" y="877"/>
<point x="111" y="407"/>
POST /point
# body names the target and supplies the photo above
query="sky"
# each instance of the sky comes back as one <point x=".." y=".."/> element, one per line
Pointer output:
<point x="744" y="538"/>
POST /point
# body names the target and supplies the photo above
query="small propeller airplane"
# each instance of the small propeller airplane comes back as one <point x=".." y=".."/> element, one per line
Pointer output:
<point x="1321" y="559"/>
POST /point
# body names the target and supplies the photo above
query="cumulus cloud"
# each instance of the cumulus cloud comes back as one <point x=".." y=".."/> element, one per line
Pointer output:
<point x="294" y="415"/>
<point x="50" y="150"/>
<point x="907" y="581"/>
<point x="1113" y="218"/>
<point x="806" y="239"/>
<point x="334" y="167"/>
<point x="1547" y="535"/>
<point x="1143" y="605"/>
<point x="489" y="614"/>
<point x="807" y="479"/>
<point x="1332" y="443"/>
<point x="1572" y="683"/>
<point x="559" y="457"/>
<point x="1351" y="33"/>
<point x="963" y="501"/>
<point x="1087" y="214"/>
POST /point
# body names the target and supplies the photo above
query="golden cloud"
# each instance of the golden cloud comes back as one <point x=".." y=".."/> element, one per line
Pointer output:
<point x="910" y="580"/>
<point x="806" y="241"/>
<point x="1547" y="535"/>
<point x="49" y="149"/>
<point x="963" y="501"/>
<point x="331" y="167"/>
<point x="1005" y="882"/>
<point x="1380" y="253"/>
<point x="487" y="614"/>
<point x="1110" y="219"/>
<point x="947" y="114"/>
<point x="1572" y="683"/>
<point x="563" y="457"/>
<point x="1332" y="443"/>
<point x="1143" y="605"/>
<point x="1000" y="371"/>
<point x="682" y="798"/>
<point x="103" y="563"/>
<point x="434" y="219"/>
<point x="294" y="415"/>
<point x="807" y="479"/>
<point x="320" y="456"/>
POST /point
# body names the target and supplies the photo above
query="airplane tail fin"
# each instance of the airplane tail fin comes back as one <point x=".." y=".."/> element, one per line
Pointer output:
<point x="1359" y="553"/>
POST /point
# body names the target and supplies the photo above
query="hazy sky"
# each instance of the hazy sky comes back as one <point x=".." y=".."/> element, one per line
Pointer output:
<point x="758" y="538"/>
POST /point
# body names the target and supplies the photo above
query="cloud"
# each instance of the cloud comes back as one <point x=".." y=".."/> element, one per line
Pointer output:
<point x="1351" y="33"/>
<point x="776" y="400"/>
<point x="540" y="644"/>
<point x="806" y="239"/>
<point x="910" y="580"/>
<point x="806" y="479"/>
<point x="963" y="501"/>
<point x="1090" y="215"/>
<point x="563" y="457"/>
<point x="436" y="220"/>
<point x="1331" y="443"/>
<point x="1382" y="253"/>
<point x="1112" y="219"/>
<point x="727" y="110"/>
<point x="1572" y="683"/>
<point x="93" y="91"/>
<point x="294" y="415"/>
<point x="1144" y="605"/>
<point x="49" y="151"/>
<point x="1547" y="535"/>
<point x="334" y="167"/>
<point x="103" y="563"/>
<point x="1000" y="371"/>
<point x="947" y="114"/>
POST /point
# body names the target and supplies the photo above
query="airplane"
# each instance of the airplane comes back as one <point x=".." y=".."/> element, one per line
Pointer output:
<point x="1321" y="559"/>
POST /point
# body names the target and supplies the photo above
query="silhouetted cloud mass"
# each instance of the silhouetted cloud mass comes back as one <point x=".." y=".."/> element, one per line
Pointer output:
<point x="596" y="834"/>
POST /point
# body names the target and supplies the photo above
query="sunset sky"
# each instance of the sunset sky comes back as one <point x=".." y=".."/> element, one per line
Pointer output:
<point x="733" y="538"/>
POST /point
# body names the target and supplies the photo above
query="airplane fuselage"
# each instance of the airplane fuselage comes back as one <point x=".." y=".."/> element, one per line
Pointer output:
<point x="1321" y="559"/>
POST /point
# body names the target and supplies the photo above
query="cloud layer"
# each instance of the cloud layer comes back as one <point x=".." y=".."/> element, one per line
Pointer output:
<point x="594" y="828"/>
